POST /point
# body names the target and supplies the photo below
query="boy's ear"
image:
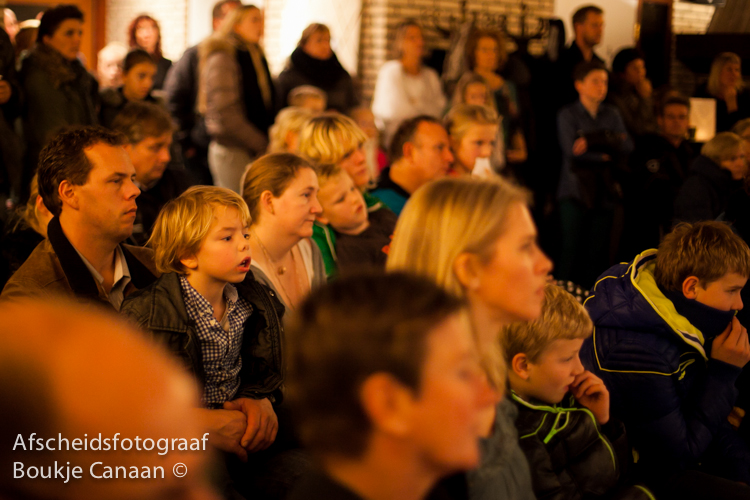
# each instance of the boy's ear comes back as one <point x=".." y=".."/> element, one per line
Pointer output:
<point x="266" y="201"/>
<point x="520" y="365"/>
<point x="689" y="287"/>
<point x="387" y="403"/>
<point x="467" y="269"/>
<point x="577" y="85"/>
<point x="190" y="262"/>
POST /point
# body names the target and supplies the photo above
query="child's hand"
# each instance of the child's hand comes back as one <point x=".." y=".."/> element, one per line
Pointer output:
<point x="262" y="424"/>
<point x="591" y="393"/>
<point x="732" y="346"/>
<point x="580" y="146"/>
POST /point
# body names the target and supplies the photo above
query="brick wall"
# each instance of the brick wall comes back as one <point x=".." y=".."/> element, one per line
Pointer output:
<point x="171" y="15"/>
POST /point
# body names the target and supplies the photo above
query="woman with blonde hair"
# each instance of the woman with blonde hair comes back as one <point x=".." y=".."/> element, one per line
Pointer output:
<point x="725" y="84"/>
<point x="236" y="95"/>
<point x="284" y="133"/>
<point x="281" y="192"/>
<point x="314" y="63"/>
<point x="335" y="138"/>
<point x="476" y="239"/>
<point x="473" y="132"/>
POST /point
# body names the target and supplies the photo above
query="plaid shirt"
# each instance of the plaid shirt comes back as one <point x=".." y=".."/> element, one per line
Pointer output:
<point x="220" y="348"/>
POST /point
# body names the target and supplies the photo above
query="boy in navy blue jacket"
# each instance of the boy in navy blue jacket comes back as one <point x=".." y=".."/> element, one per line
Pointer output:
<point x="668" y="347"/>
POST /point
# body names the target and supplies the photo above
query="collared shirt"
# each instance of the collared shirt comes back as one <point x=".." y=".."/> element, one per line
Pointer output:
<point x="122" y="277"/>
<point x="220" y="341"/>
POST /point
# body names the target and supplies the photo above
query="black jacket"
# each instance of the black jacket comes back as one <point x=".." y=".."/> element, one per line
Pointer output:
<point x="569" y="455"/>
<point x="705" y="193"/>
<point x="327" y="75"/>
<point x="58" y="93"/>
<point x="160" y="310"/>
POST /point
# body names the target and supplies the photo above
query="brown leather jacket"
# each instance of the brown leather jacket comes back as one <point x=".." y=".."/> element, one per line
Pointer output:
<point x="55" y="268"/>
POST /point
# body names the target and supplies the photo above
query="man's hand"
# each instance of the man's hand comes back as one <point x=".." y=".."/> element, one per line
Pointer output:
<point x="580" y="146"/>
<point x="225" y="429"/>
<point x="732" y="346"/>
<point x="262" y="424"/>
<point x="5" y="91"/>
<point x="591" y="393"/>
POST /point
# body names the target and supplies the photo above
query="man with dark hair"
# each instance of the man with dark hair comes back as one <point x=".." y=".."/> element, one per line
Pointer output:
<point x="391" y="402"/>
<point x="181" y="87"/>
<point x="588" y="29"/>
<point x="69" y="374"/>
<point x="420" y="152"/>
<point x="658" y="165"/>
<point x="148" y="129"/>
<point x="87" y="181"/>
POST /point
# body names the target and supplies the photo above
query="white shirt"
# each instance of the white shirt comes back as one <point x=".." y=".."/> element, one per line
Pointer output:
<point x="400" y="96"/>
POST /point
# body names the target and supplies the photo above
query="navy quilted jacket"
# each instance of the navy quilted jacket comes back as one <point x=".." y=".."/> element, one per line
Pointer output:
<point x="673" y="399"/>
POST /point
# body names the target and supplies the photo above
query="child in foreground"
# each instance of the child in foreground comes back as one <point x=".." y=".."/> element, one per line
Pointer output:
<point x="360" y="238"/>
<point x="390" y="403"/>
<point x="563" y="420"/>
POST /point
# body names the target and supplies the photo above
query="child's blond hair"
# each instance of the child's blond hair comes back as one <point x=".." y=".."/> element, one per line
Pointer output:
<point x="329" y="138"/>
<point x="290" y="119"/>
<point x="563" y="318"/>
<point x="462" y="117"/>
<point x="298" y="95"/>
<point x="326" y="172"/>
<point x="183" y="224"/>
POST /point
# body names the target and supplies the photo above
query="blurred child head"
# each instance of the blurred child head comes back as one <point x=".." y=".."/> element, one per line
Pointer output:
<point x="590" y="80"/>
<point x="542" y="355"/>
<point x="138" y="73"/>
<point x="284" y="133"/>
<point x="307" y="96"/>
<point x="472" y="88"/>
<point x="344" y="207"/>
<point x="473" y="133"/>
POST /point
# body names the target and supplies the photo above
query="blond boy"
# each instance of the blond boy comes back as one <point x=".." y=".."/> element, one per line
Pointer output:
<point x="359" y="237"/>
<point x="562" y="407"/>
<point x="206" y="308"/>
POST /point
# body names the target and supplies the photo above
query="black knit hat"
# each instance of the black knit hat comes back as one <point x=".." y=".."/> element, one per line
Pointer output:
<point x="625" y="57"/>
<point x="53" y="17"/>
